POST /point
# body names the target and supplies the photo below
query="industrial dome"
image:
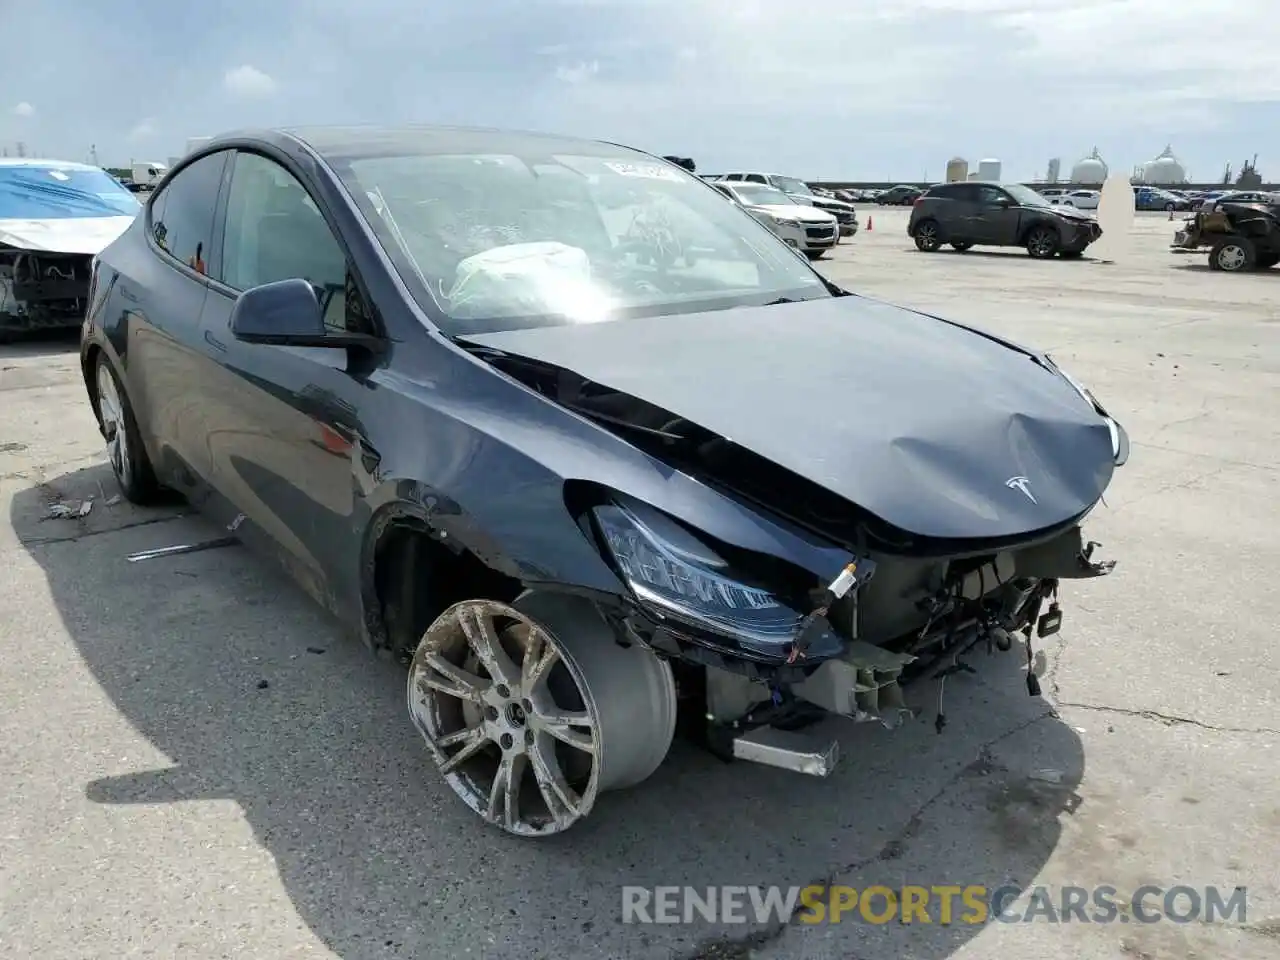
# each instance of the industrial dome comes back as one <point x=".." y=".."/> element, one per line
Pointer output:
<point x="1164" y="169"/>
<point x="1091" y="169"/>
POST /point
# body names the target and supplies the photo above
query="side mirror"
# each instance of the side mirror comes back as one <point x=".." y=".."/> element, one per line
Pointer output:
<point x="1004" y="204"/>
<point x="286" y="312"/>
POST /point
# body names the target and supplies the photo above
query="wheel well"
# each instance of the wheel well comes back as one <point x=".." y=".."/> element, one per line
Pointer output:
<point x="1033" y="227"/>
<point x="416" y="577"/>
<point x="87" y="368"/>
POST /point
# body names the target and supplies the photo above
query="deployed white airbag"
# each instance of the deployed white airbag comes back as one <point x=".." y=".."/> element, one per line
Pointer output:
<point x="522" y="279"/>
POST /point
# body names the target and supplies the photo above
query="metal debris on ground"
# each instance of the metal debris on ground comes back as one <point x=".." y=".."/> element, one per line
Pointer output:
<point x="1047" y="776"/>
<point x="112" y="501"/>
<point x="183" y="548"/>
<point x="67" y="509"/>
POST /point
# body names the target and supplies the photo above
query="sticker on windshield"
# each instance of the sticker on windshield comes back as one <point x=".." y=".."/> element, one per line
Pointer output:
<point x="58" y="175"/>
<point x="646" y="170"/>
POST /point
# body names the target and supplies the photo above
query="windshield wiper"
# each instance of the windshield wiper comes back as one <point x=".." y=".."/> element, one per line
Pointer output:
<point x="774" y="303"/>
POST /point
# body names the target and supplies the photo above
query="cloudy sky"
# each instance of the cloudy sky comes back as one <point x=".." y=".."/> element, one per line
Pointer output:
<point x="857" y="89"/>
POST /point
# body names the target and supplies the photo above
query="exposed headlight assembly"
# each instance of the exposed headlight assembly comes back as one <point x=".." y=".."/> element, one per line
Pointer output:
<point x="676" y="575"/>
<point x="1119" y="437"/>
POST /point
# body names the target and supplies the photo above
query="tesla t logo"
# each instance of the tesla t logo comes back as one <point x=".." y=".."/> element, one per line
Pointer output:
<point x="1023" y="485"/>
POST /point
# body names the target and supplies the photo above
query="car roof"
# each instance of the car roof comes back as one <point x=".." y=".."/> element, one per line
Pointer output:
<point x="360" y="141"/>
<point x="45" y="164"/>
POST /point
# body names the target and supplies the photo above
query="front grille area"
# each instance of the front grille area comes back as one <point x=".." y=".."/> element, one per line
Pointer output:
<point x="819" y="233"/>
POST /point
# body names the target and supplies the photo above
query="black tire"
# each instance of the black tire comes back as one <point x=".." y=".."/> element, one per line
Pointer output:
<point x="960" y="246"/>
<point x="1266" y="261"/>
<point x="1071" y="254"/>
<point x="1042" y="242"/>
<point x="129" y="460"/>
<point x="814" y="254"/>
<point x="926" y="236"/>
<point x="1233" y="255"/>
<point x="1170" y="207"/>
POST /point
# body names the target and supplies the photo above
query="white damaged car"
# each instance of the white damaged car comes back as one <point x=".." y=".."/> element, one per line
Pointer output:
<point x="55" y="217"/>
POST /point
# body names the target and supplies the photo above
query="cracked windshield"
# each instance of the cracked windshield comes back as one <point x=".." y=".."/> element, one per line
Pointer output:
<point x="502" y="242"/>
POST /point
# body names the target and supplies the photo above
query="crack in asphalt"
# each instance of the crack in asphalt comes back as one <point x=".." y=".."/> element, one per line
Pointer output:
<point x="743" y="947"/>
<point x="84" y="535"/>
<point x="1168" y="719"/>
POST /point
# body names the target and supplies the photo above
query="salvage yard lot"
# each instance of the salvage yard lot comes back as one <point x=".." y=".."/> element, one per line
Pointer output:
<point x="199" y="765"/>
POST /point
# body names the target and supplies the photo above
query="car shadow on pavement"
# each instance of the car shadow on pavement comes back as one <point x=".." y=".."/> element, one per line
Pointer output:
<point x="256" y="696"/>
<point x="41" y="343"/>
<point x="1012" y="253"/>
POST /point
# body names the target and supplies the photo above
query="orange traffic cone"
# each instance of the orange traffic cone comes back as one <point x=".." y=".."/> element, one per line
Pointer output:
<point x="868" y="224"/>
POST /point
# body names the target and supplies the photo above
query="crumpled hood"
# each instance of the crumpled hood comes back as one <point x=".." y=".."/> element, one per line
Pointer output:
<point x="1073" y="213"/>
<point x="933" y="428"/>
<point x="89" y="235"/>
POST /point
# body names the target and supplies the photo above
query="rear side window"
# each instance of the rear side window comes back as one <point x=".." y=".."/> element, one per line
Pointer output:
<point x="182" y="213"/>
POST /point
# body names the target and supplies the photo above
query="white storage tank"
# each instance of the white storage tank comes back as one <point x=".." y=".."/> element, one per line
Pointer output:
<point x="1091" y="169"/>
<point x="988" y="169"/>
<point x="957" y="169"/>
<point x="1164" y="169"/>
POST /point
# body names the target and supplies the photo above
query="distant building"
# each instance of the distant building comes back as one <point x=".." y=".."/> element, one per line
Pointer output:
<point x="1164" y="169"/>
<point x="957" y="169"/>
<point x="1090" y="169"/>
<point x="1055" y="170"/>
<point x="989" y="169"/>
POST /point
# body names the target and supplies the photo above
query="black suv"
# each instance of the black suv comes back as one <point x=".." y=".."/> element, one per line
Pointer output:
<point x="999" y="215"/>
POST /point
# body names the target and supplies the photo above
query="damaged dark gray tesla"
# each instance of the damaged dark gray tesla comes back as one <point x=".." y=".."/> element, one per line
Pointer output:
<point x="590" y="449"/>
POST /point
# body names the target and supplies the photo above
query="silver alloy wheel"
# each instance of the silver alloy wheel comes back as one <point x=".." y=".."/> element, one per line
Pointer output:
<point x="1231" y="256"/>
<point x="533" y="709"/>
<point x="111" y="410"/>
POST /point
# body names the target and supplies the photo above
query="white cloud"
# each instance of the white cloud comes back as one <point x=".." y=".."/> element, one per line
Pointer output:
<point x="24" y="109"/>
<point x="577" y="72"/>
<point x="143" y="129"/>
<point x="248" y="81"/>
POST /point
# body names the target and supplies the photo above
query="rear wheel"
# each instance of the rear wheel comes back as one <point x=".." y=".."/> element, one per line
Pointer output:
<point x="814" y="254"/>
<point x="1233" y="254"/>
<point x="926" y="236"/>
<point x="961" y="246"/>
<point x="128" y="457"/>
<point x="532" y="709"/>
<point x="1042" y="242"/>
<point x="1169" y="206"/>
